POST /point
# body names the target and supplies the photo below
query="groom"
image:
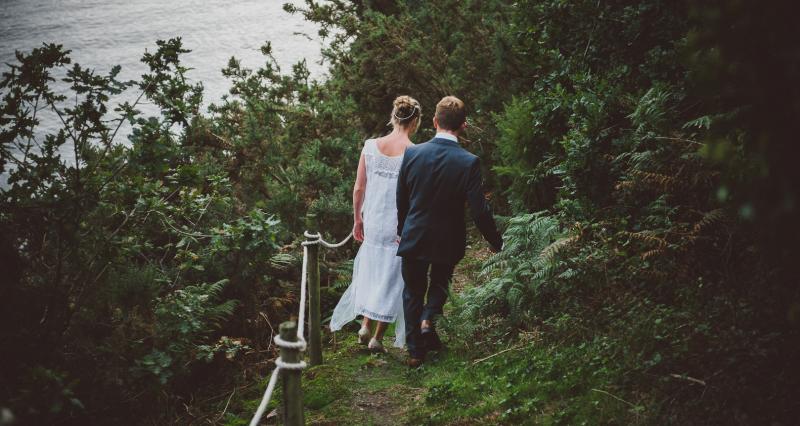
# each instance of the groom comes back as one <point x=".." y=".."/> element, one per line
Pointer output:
<point x="436" y="179"/>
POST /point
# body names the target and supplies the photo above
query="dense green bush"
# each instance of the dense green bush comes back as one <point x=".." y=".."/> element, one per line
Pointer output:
<point x="653" y="255"/>
<point x="595" y="114"/>
<point x="132" y="260"/>
<point x="649" y="137"/>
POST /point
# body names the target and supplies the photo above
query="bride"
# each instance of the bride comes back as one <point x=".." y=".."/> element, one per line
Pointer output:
<point x="376" y="292"/>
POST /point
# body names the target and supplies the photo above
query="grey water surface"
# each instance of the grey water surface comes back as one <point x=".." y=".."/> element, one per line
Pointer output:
<point x="104" y="33"/>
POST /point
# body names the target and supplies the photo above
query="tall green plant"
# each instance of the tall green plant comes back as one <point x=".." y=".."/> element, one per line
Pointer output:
<point x="115" y="248"/>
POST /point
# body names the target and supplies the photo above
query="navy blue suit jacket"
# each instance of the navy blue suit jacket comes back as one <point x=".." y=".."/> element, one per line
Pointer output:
<point x="437" y="178"/>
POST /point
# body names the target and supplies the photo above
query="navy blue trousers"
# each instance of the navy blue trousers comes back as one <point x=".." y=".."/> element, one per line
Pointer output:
<point x="415" y="307"/>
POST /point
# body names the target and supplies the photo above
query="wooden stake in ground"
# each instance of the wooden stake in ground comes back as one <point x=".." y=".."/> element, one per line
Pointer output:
<point x="314" y="317"/>
<point x="292" y="392"/>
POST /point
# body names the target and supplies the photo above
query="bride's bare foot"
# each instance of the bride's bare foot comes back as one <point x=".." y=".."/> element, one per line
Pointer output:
<point x="363" y="333"/>
<point x="376" y="345"/>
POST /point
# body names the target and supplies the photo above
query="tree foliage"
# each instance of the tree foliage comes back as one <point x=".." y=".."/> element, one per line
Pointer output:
<point x="632" y="128"/>
<point x="639" y="150"/>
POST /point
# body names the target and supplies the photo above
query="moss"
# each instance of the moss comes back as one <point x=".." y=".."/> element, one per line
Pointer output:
<point x="323" y="385"/>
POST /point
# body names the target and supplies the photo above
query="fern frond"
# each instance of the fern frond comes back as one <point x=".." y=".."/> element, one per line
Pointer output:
<point x="709" y="219"/>
<point x="547" y="262"/>
<point x="528" y="233"/>
<point x="702" y="123"/>
<point x="661" y="181"/>
<point x="624" y="185"/>
<point x="514" y="298"/>
<point x="568" y="274"/>
<point x="549" y="253"/>
<point x="282" y="261"/>
<point x="218" y="314"/>
<point x="651" y="253"/>
<point x="648" y="237"/>
<point x="213" y="290"/>
<point x="641" y="160"/>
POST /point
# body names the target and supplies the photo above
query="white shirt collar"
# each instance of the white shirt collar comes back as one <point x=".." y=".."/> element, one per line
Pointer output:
<point x="447" y="136"/>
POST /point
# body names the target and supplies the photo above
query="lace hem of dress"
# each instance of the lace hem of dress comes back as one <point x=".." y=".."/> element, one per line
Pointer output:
<point x="374" y="315"/>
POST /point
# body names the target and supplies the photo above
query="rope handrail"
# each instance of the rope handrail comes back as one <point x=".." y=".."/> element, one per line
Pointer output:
<point x="319" y="240"/>
<point x="300" y="344"/>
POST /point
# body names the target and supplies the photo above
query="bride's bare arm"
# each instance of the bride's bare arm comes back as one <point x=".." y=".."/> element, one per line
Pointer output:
<point x="358" y="199"/>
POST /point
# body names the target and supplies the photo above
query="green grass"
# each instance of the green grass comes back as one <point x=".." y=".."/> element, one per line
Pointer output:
<point x="533" y="383"/>
<point x="473" y="381"/>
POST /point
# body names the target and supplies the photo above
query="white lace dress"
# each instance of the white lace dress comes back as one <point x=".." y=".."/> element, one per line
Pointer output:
<point x="376" y="291"/>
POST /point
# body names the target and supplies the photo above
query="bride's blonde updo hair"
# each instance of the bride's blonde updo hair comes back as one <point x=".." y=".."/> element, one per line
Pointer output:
<point x="407" y="113"/>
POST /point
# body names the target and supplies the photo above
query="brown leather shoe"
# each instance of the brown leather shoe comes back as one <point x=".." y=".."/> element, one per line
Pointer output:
<point x="431" y="339"/>
<point x="414" y="362"/>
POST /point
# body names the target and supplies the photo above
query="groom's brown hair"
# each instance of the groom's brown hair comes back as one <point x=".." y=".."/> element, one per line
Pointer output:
<point x="450" y="113"/>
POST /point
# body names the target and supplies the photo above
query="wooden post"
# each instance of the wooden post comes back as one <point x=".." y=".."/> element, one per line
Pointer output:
<point x="314" y="320"/>
<point x="292" y="392"/>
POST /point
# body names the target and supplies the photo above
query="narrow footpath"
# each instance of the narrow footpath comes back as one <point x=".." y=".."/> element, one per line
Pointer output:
<point x="357" y="387"/>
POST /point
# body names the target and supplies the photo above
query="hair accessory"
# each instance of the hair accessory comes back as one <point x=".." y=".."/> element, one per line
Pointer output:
<point x="413" y="113"/>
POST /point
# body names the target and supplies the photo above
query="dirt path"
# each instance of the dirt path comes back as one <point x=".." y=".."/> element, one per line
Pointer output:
<point x="356" y="387"/>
